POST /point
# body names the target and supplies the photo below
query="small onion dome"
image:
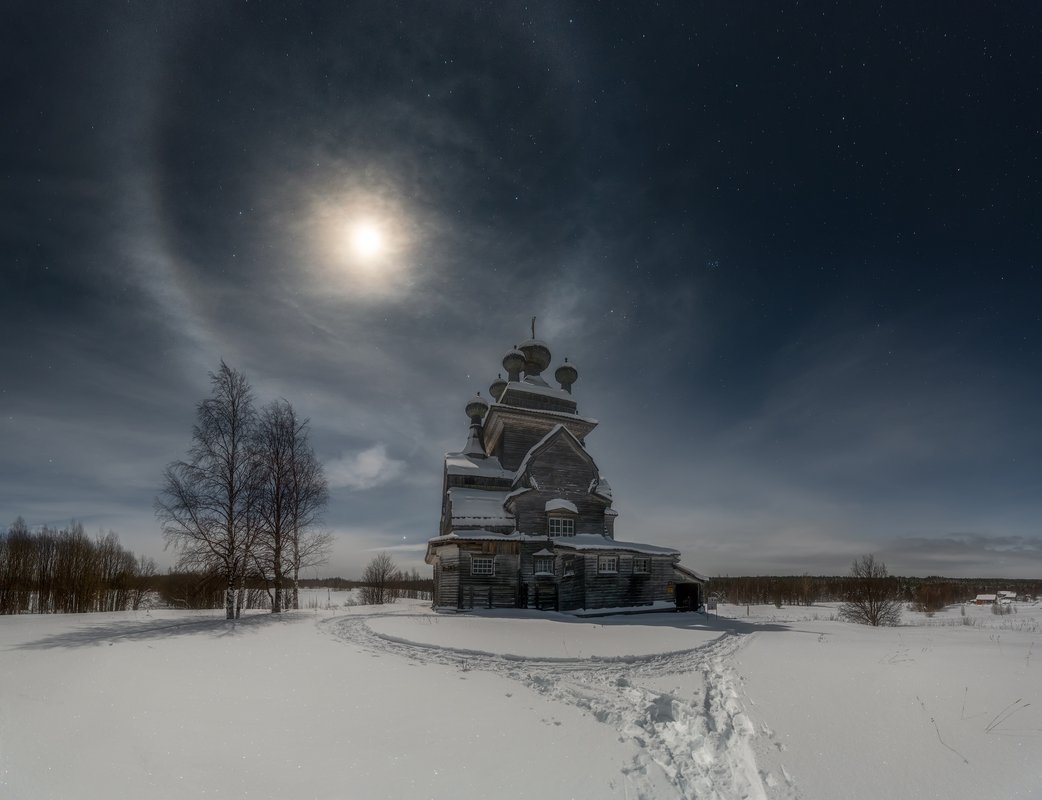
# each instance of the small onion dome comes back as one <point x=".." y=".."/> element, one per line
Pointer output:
<point x="476" y="408"/>
<point x="497" y="387"/>
<point x="566" y="375"/>
<point x="513" y="363"/>
<point x="537" y="356"/>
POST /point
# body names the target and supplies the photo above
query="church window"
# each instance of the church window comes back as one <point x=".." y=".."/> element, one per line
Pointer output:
<point x="608" y="564"/>
<point x="562" y="526"/>
<point x="544" y="564"/>
<point x="482" y="566"/>
<point x="641" y="565"/>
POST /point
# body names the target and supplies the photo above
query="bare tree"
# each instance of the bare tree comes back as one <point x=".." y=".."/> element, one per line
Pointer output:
<point x="144" y="581"/>
<point x="292" y="495"/>
<point x="874" y="597"/>
<point x="308" y="548"/>
<point x="18" y="561"/>
<point x="275" y="431"/>
<point x="206" y="503"/>
<point x="379" y="581"/>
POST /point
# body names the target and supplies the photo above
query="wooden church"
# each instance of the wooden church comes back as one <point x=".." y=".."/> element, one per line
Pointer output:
<point x="527" y="518"/>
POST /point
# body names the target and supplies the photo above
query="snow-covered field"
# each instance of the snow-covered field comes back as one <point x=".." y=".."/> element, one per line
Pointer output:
<point x="398" y="702"/>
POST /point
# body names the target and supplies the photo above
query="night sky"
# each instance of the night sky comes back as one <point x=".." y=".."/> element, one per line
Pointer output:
<point x="793" y="249"/>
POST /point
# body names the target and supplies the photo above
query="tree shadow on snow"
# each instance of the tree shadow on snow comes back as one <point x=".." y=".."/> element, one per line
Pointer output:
<point x="150" y="629"/>
<point x="681" y="621"/>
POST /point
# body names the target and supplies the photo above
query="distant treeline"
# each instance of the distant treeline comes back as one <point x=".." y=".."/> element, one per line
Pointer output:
<point x="62" y="570"/>
<point x="65" y="571"/>
<point x="928" y="594"/>
<point x="401" y="584"/>
<point x="200" y="590"/>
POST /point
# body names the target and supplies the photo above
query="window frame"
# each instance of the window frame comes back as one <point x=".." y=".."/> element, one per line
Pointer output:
<point x="646" y="570"/>
<point x="546" y="561"/>
<point x="602" y="561"/>
<point x="491" y="560"/>
<point x="563" y="523"/>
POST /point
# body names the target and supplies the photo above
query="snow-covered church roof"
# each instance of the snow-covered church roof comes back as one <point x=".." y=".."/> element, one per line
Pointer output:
<point x="478" y="508"/>
<point x="488" y="467"/>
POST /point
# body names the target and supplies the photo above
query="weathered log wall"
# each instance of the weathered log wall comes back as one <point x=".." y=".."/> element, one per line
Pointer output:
<point x="561" y="470"/>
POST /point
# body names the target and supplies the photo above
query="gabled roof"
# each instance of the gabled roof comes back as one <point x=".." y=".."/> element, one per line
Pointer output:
<point x="555" y="432"/>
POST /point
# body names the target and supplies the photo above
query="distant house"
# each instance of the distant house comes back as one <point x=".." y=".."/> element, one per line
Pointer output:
<point x="985" y="599"/>
<point x="1007" y="597"/>
<point x="527" y="519"/>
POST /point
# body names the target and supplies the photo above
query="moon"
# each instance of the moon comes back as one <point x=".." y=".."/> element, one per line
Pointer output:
<point x="367" y="240"/>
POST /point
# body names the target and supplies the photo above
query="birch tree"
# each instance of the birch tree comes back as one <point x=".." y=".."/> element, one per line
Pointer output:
<point x="292" y="494"/>
<point x="274" y="451"/>
<point x="207" y="502"/>
<point x="308" y="547"/>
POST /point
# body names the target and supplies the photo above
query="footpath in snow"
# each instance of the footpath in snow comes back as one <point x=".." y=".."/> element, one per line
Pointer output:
<point x="698" y="738"/>
<point x="399" y="702"/>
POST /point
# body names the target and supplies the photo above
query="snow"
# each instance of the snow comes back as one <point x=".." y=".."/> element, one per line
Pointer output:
<point x="593" y="541"/>
<point x="488" y="467"/>
<point x="397" y="701"/>
<point x="475" y="535"/>
<point x="600" y="486"/>
<point x="937" y="707"/>
<point x="528" y="386"/>
<point x="541" y="635"/>
<point x="687" y="574"/>
<point x="516" y="493"/>
<point x="560" y="504"/>
<point x="478" y="506"/>
<point x="579" y="542"/>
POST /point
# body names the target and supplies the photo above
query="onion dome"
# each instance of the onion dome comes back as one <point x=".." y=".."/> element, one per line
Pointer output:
<point x="476" y="409"/>
<point x="537" y="356"/>
<point x="513" y="363"/>
<point x="566" y="375"/>
<point x="497" y="387"/>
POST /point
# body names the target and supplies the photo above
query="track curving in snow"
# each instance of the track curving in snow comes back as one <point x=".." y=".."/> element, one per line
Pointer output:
<point x="703" y="744"/>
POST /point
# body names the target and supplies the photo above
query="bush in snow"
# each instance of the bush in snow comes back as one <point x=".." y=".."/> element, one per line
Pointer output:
<point x="380" y="584"/>
<point x="874" y="598"/>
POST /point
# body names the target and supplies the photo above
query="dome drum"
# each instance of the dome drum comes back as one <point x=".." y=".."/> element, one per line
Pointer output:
<point x="476" y="409"/>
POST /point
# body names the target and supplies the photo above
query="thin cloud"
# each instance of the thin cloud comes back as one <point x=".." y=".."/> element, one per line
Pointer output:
<point x="367" y="469"/>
